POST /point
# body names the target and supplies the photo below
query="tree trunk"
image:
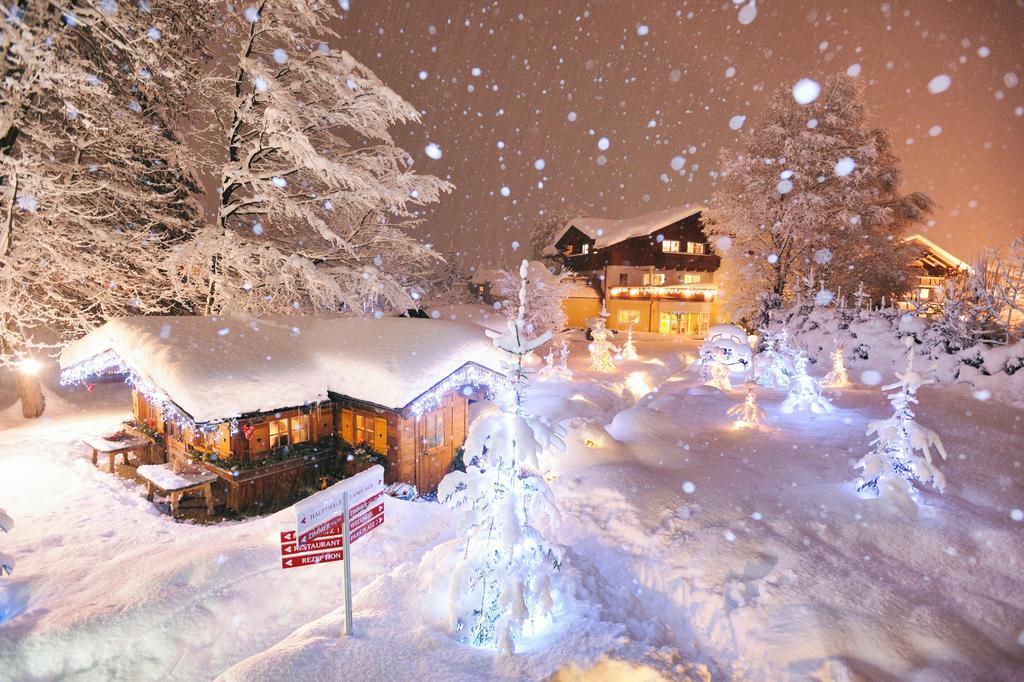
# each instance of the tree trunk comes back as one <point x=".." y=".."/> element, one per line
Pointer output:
<point x="30" y="391"/>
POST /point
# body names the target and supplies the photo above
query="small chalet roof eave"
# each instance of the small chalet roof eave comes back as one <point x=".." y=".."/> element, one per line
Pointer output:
<point x="406" y="410"/>
<point x="955" y="263"/>
<point x="637" y="226"/>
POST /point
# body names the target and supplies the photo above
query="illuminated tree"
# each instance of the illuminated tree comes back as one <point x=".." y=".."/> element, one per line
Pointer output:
<point x="837" y="376"/>
<point x="91" y="194"/>
<point x="715" y="373"/>
<point x="748" y="414"/>
<point x="601" y="349"/>
<point x="813" y="186"/>
<point x="546" y="290"/>
<point x="629" y="348"/>
<point x="6" y="561"/>
<point x="899" y="438"/>
<point x="773" y="366"/>
<point x="804" y="391"/>
<point x="563" y="367"/>
<point x="313" y="194"/>
<point x="503" y="586"/>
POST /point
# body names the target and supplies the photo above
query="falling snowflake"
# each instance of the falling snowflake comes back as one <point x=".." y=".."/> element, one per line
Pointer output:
<point x="748" y="13"/>
<point x="823" y="298"/>
<point x="603" y="144"/>
<point x="736" y="122"/>
<point x="279" y="55"/>
<point x="806" y="91"/>
<point x="939" y="84"/>
<point x="278" y="181"/>
<point x="845" y="166"/>
<point x="433" y="151"/>
<point x="27" y="202"/>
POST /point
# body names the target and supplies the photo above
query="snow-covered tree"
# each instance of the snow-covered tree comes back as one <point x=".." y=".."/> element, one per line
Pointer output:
<point x="748" y="414"/>
<point x="804" y="390"/>
<point x="601" y="349"/>
<point x="446" y="283"/>
<point x="813" y="186"/>
<point x="899" y="438"/>
<point x="504" y="583"/>
<point x="546" y="289"/>
<point x="546" y="229"/>
<point x="837" y="376"/>
<point x="6" y="560"/>
<point x="563" y="366"/>
<point x="91" y="194"/>
<point x="628" y="351"/>
<point x="312" y="194"/>
<point x="716" y="373"/>
<point x="773" y="366"/>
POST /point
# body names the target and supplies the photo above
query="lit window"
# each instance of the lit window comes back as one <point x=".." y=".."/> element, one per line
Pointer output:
<point x="433" y="429"/>
<point x="654" y="279"/>
<point x="300" y="428"/>
<point x="923" y="295"/>
<point x="670" y="246"/>
<point x="364" y="429"/>
<point x="629" y="316"/>
<point x="693" y="278"/>
<point x="695" y="247"/>
<point x="278" y="433"/>
<point x="623" y="279"/>
<point x="585" y="248"/>
<point x="568" y="250"/>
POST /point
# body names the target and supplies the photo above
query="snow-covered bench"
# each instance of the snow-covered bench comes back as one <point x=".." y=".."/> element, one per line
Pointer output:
<point x="132" y="442"/>
<point x="160" y="478"/>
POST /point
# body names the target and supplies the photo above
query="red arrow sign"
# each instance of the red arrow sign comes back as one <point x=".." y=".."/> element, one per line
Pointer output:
<point x="357" y="533"/>
<point x="311" y="559"/>
<point x="317" y="545"/>
<point x="334" y="525"/>
<point x="337" y="526"/>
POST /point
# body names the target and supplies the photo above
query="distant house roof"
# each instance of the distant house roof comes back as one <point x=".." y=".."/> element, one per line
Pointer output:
<point x="606" y="231"/>
<point x="486" y="276"/>
<point x="216" y="368"/>
<point x="936" y="257"/>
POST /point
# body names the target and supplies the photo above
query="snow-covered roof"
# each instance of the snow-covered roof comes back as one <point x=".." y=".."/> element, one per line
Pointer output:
<point x="215" y="368"/>
<point x="607" y="231"/>
<point x="486" y="276"/>
<point x="949" y="259"/>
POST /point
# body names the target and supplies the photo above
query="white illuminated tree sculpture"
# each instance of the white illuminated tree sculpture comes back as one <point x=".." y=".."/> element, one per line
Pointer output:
<point x="601" y="349"/>
<point x="773" y="366"/>
<point x="629" y="348"/>
<point x="804" y="391"/>
<point x="748" y="414"/>
<point x="504" y="582"/>
<point x="563" y="367"/>
<point x="548" y="371"/>
<point x="715" y="373"/>
<point x="837" y="376"/>
<point x="895" y="461"/>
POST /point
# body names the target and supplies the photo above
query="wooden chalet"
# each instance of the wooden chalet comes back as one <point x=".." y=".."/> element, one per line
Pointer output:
<point x="655" y="271"/>
<point x="933" y="266"/>
<point x="272" y="405"/>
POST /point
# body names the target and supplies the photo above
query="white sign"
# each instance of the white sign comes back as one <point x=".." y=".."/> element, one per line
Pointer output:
<point x="320" y="511"/>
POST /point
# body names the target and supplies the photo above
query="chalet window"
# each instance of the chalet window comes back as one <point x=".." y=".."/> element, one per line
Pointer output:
<point x="278" y="433"/>
<point x="670" y="246"/>
<point x="364" y="429"/>
<point x="623" y="279"/>
<point x="654" y="279"/>
<point x="695" y="247"/>
<point x="693" y="278"/>
<point x="300" y="428"/>
<point x="568" y="250"/>
<point x="585" y="249"/>
<point x="628" y="316"/>
<point x="433" y="429"/>
<point x="923" y="294"/>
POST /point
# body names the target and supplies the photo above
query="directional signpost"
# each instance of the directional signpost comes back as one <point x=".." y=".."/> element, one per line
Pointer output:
<point x="328" y="522"/>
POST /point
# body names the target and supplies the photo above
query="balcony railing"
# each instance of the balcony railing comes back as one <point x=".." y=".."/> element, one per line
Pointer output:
<point x="672" y="292"/>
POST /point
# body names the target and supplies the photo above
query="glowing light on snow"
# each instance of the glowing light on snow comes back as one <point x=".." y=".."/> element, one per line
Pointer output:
<point x="982" y="394"/>
<point x="748" y="13"/>
<point x="638" y="384"/>
<point x="433" y="151"/>
<point x="871" y="377"/>
<point x="845" y="166"/>
<point x="29" y="366"/>
<point x="806" y="91"/>
<point x="603" y="144"/>
<point x="279" y="55"/>
<point x="939" y="84"/>
<point x="737" y="121"/>
<point x="539" y="164"/>
<point x="689" y="487"/>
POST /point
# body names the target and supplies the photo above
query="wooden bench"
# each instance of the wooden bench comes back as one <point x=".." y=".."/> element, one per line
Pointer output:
<point x="113" y="448"/>
<point x="160" y="478"/>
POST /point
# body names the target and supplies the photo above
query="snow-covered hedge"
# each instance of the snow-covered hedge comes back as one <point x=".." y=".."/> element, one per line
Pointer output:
<point x="871" y="339"/>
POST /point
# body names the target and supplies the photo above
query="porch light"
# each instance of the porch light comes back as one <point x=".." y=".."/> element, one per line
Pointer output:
<point x="29" y="366"/>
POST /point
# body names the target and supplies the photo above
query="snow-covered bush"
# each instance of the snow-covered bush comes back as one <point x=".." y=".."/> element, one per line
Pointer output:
<point x="804" y="390"/>
<point x="773" y="366"/>
<point x="900" y="437"/>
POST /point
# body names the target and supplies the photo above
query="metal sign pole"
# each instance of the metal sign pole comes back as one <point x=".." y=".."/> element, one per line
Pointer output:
<point x="346" y="553"/>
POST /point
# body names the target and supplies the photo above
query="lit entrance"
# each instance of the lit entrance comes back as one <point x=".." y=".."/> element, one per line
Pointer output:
<point x="694" y="324"/>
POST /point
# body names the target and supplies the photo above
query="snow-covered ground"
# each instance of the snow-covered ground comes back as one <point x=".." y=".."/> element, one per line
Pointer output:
<point x="698" y="550"/>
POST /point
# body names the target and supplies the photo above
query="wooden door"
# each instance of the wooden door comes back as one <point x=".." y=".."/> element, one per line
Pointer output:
<point x="380" y="435"/>
<point x="346" y="426"/>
